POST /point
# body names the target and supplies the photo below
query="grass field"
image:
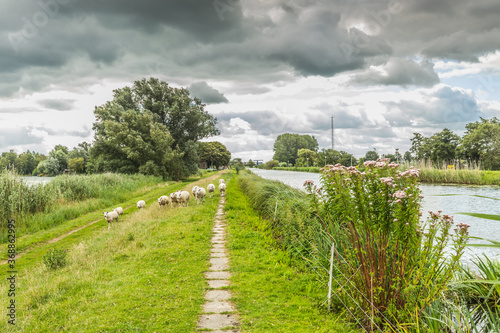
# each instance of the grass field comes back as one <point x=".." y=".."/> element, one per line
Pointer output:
<point x="145" y="273"/>
<point x="273" y="292"/>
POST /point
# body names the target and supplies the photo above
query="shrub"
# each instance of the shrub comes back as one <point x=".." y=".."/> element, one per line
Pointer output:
<point x="55" y="258"/>
<point x="391" y="265"/>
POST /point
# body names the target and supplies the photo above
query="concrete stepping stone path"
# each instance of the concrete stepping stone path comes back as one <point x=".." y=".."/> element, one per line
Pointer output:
<point x="219" y="314"/>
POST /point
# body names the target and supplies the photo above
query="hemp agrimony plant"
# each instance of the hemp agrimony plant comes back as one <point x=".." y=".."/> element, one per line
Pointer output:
<point x="391" y="264"/>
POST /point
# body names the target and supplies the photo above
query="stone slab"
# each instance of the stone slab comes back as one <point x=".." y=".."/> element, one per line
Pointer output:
<point x="218" y="255"/>
<point x="217" y="275"/>
<point x="219" y="267"/>
<point x="217" y="295"/>
<point x="218" y="307"/>
<point x="216" y="284"/>
<point x="217" y="321"/>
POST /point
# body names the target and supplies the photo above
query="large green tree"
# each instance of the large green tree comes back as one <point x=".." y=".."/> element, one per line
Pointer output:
<point x="130" y="142"/>
<point x="214" y="153"/>
<point x="481" y="143"/>
<point x="306" y="157"/>
<point x="287" y="145"/>
<point x="164" y="116"/>
<point x="444" y="146"/>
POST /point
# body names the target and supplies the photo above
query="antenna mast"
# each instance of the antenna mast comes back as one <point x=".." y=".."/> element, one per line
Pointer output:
<point x="333" y="142"/>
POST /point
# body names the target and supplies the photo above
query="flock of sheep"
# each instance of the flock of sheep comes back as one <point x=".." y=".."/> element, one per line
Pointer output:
<point x="179" y="197"/>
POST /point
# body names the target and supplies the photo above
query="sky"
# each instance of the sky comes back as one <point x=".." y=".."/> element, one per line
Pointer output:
<point x="383" y="69"/>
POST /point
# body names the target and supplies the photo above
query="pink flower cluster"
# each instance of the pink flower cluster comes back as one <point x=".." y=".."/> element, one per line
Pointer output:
<point x="411" y="172"/>
<point x="399" y="194"/>
<point x="308" y="183"/>
<point x="387" y="180"/>
<point x="463" y="226"/>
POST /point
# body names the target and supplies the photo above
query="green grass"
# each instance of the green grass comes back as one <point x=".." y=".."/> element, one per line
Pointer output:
<point x="145" y="274"/>
<point x="493" y="217"/>
<point x="43" y="207"/>
<point x="272" y="291"/>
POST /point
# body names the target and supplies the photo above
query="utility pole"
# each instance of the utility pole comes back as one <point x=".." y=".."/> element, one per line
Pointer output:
<point x="333" y="142"/>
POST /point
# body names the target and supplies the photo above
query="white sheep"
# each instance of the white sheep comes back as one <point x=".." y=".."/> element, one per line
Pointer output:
<point x="183" y="197"/>
<point x="221" y="181"/>
<point x="200" y="194"/>
<point x="222" y="189"/>
<point x="211" y="189"/>
<point x="119" y="210"/>
<point x="194" y="189"/>
<point x="163" y="200"/>
<point x="173" y="198"/>
<point x="141" y="204"/>
<point x="110" y="217"/>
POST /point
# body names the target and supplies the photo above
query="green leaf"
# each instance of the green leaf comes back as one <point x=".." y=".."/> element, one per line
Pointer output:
<point x="482" y="216"/>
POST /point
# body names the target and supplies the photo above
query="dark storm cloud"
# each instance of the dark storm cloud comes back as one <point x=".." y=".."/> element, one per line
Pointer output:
<point x="57" y="104"/>
<point x="400" y="72"/>
<point x="443" y="107"/>
<point x="250" y="41"/>
<point x="17" y="136"/>
<point x="207" y="94"/>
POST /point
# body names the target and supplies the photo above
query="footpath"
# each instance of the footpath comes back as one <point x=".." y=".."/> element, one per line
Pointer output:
<point x="219" y="314"/>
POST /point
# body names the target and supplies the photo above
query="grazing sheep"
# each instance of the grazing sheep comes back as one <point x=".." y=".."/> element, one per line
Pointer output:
<point x="110" y="217"/>
<point x="222" y="189"/>
<point x="194" y="189"/>
<point x="183" y="197"/>
<point x="221" y="181"/>
<point x="173" y="199"/>
<point x="211" y="189"/>
<point x="200" y="194"/>
<point x="163" y="200"/>
<point x="141" y="204"/>
<point x="119" y="210"/>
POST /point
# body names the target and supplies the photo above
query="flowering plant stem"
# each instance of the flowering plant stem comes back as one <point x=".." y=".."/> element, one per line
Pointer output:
<point x="398" y="263"/>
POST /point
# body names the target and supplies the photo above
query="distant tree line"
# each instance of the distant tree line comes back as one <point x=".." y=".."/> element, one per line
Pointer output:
<point x="480" y="144"/>
<point x="149" y="128"/>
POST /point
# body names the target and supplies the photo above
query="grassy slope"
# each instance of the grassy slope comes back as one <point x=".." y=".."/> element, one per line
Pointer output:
<point x="272" y="293"/>
<point x="145" y="274"/>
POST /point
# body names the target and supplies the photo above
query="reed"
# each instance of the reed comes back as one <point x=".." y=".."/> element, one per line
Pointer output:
<point x="39" y="207"/>
<point x="457" y="173"/>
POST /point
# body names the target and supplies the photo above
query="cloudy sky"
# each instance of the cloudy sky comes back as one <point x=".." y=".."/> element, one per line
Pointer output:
<point x="382" y="68"/>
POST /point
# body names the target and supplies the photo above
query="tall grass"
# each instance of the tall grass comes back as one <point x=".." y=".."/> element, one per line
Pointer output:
<point x="293" y="221"/>
<point x="472" y="304"/>
<point x="17" y="198"/>
<point x="417" y="276"/>
<point x="457" y="173"/>
<point x="38" y="207"/>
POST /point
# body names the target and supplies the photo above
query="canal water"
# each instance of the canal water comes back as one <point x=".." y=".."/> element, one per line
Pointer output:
<point x="451" y="199"/>
<point x="31" y="180"/>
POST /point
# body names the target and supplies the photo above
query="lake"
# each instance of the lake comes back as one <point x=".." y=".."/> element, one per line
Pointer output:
<point x="32" y="180"/>
<point x="451" y="199"/>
